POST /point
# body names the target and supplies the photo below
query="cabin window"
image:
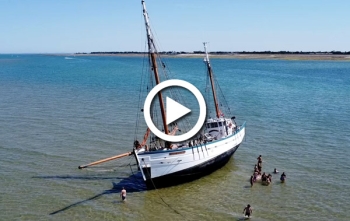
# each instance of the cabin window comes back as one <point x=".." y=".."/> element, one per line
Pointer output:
<point x="208" y="125"/>
<point x="213" y="125"/>
<point x="220" y="124"/>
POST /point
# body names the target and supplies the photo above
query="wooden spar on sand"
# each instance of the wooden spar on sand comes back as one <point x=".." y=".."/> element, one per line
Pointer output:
<point x="106" y="159"/>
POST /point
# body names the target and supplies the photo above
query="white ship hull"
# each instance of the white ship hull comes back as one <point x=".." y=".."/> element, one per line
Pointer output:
<point x="170" y="167"/>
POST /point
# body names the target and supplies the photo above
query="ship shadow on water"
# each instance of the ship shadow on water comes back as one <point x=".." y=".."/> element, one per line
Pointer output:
<point x="132" y="183"/>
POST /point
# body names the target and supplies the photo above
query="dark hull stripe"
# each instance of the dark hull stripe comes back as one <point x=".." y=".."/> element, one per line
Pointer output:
<point x="191" y="173"/>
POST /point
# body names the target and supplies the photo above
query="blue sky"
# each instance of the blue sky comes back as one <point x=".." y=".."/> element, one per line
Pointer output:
<point x="59" y="26"/>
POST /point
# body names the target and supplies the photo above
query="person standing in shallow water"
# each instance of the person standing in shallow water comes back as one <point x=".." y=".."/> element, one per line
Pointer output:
<point x="259" y="163"/>
<point x="123" y="194"/>
<point x="251" y="181"/>
<point x="259" y="159"/>
<point x="247" y="211"/>
<point x="283" y="177"/>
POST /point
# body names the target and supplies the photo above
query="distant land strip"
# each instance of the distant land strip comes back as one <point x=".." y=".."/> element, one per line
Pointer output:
<point x="282" y="55"/>
<point x="228" y="52"/>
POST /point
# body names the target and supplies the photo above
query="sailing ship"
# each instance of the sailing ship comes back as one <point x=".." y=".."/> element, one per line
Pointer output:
<point x="163" y="163"/>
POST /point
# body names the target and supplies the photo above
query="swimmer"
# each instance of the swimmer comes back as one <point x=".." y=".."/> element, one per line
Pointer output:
<point x="275" y="171"/>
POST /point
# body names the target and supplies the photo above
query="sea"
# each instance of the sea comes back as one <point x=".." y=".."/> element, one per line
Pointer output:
<point x="59" y="112"/>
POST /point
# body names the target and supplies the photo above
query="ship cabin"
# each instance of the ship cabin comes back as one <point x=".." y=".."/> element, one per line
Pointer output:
<point x="219" y="128"/>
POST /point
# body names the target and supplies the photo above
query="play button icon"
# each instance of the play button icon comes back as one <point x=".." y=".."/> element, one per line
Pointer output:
<point x="174" y="110"/>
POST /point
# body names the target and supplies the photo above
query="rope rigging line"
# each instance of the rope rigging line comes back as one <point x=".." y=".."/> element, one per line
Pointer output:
<point x="207" y="90"/>
<point x="154" y="186"/>
<point x="175" y="94"/>
<point x="223" y="96"/>
<point x="185" y="125"/>
<point x="135" y="178"/>
<point x="165" y="70"/>
<point x="140" y="102"/>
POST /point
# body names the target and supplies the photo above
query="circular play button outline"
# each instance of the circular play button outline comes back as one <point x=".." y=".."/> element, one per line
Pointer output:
<point x="194" y="91"/>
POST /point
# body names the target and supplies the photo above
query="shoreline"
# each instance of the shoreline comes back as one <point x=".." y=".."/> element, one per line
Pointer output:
<point x="307" y="57"/>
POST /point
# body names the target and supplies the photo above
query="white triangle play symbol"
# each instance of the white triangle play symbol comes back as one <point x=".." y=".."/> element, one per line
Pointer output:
<point x="174" y="110"/>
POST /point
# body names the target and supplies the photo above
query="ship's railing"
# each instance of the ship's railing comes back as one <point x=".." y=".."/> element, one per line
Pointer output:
<point x="186" y="148"/>
<point x="240" y="128"/>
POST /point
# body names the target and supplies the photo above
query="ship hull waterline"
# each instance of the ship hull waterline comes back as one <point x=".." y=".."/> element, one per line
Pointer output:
<point x="192" y="173"/>
<point x="172" y="167"/>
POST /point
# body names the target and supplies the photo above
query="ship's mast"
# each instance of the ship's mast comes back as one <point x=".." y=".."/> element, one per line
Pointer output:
<point x="210" y="72"/>
<point x="151" y="51"/>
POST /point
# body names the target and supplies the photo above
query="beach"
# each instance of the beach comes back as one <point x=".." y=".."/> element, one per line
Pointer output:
<point x="295" y="57"/>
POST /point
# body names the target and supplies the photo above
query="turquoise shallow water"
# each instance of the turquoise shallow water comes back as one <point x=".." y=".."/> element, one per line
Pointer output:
<point x="58" y="113"/>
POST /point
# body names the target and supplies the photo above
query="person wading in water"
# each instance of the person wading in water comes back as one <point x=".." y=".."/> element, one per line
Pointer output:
<point x="248" y="211"/>
<point x="259" y="163"/>
<point x="123" y="194"/>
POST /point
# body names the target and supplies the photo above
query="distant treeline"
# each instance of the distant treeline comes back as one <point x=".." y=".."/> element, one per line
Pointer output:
<point x="281" y="52"/>
<point x="225" y="52"/>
